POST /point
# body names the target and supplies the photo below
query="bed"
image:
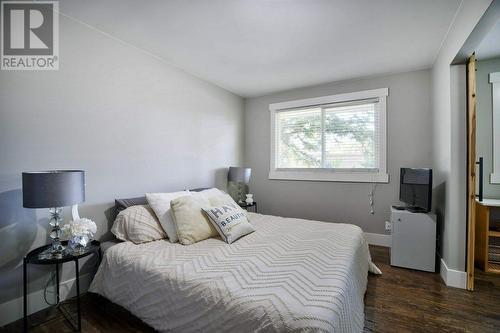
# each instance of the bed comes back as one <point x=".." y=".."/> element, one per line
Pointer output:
<point x="289" y="275"/>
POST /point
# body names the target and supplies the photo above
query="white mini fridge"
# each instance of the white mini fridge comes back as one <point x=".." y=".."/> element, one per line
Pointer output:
<point x="413" y="240"/>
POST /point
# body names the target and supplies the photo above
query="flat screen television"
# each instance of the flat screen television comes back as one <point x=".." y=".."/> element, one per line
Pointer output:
<point x="415" y="189"/>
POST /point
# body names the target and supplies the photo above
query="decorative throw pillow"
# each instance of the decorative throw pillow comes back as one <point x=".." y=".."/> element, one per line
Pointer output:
<point x="230" y="221"/>
<point x="191" y="224"/>
<point x="137" y="224"/>
<point x="160" y="202"/>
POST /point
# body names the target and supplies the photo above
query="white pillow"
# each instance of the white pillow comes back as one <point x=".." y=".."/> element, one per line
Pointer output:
<point x="215" y="196"/>
<point x="212" y="191"/>
<point x="137" y="224"/>
<point x="230" y="221"/>
<point x="160" y="203"/>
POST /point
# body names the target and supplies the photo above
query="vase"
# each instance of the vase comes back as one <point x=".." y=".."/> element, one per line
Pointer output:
<point x="78" y="244"/>
<point x="249" y="199"/>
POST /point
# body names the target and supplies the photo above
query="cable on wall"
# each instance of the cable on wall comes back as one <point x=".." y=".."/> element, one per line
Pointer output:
<point x="372" y="198"/>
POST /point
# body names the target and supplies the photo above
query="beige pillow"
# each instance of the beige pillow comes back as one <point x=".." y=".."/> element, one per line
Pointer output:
<point x="160" y="203"/>
<point x="191" y="223"/>
<point x="138" y="224"/>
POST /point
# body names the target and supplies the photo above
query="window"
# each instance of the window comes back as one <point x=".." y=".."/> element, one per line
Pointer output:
<point x="331" y="138"/>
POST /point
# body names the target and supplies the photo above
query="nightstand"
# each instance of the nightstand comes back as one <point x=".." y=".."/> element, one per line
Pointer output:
<point x="245" y="206"/>
<point x="33" y="258"/>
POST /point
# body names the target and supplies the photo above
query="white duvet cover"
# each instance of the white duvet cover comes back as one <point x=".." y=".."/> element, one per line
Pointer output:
<point x="290" y="275"/>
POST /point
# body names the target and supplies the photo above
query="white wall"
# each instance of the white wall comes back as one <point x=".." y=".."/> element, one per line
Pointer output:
<point x="409" y="144"/>
<point x="450" y="138"/>
<point x="132" y="122"/>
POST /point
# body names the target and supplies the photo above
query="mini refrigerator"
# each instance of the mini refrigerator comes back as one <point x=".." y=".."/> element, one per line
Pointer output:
<point x="413" y="240"/>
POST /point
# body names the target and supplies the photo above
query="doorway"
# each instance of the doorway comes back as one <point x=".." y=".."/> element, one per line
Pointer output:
<point x="483" y="158"/>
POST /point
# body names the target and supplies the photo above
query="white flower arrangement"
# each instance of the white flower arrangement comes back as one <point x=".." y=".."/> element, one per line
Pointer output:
<point x="79" y="228"/>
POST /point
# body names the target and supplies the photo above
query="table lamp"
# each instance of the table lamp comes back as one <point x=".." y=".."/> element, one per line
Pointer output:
<point x="54" y="189"/>
<point x="238" y="179"/>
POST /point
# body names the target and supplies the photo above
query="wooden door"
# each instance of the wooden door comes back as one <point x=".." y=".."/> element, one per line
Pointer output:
<point x="471" y="168"/>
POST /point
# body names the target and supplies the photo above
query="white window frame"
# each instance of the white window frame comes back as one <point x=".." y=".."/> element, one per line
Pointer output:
<point x="495" y="95"/>
<point x="328" y="174"/>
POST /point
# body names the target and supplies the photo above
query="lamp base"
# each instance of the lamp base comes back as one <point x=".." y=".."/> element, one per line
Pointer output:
<point x="56" y="249"/>
<point x="237" y="191"/>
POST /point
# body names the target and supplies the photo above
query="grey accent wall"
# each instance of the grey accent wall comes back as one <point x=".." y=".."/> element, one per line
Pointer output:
<point x="484" y="138"/>
<point x="409" y="144"/>
<point x="132" y="122"/>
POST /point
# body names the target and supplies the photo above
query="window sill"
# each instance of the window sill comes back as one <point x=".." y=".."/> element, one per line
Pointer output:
<point x="330" y="176"/>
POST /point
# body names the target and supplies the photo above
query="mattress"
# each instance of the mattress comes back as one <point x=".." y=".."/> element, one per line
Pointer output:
<point x="289" y="275"/>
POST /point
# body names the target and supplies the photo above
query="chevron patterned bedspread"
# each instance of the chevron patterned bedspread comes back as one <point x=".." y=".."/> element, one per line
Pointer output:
<point x="290" y="275"/>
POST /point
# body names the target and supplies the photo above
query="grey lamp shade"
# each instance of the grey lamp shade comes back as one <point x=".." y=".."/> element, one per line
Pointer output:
<point x="55" y="188"/>
<point x="239" y="174"/>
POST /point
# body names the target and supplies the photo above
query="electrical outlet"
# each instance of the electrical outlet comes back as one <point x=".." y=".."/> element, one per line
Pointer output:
<point x="387" y="226"/>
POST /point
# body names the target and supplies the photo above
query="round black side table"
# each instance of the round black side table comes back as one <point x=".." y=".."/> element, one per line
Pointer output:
<point x="34" y="257"/>
<point x="245" y="206"/>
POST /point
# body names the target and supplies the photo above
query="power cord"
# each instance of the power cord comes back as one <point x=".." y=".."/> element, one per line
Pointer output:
<point x="49" y="281"/>
<point x="372" y="198"/>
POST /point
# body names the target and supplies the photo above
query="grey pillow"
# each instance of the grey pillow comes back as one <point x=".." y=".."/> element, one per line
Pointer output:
<point x="199" y="189"/>
<point x="121" y="204"/>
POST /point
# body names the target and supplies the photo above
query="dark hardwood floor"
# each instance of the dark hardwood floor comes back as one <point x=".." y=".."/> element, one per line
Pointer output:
<point x="400" y="300"/>
<point x="404" y="300"/>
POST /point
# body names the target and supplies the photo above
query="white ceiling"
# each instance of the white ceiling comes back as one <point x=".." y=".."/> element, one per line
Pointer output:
<point x="256" y="47"/>
<point x="490" y="45"/>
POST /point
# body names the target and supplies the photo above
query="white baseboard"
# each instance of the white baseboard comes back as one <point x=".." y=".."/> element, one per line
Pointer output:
<point x="378" y="239"/>
<point x="13" y="310"/>
<point x="451" y="277"/>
